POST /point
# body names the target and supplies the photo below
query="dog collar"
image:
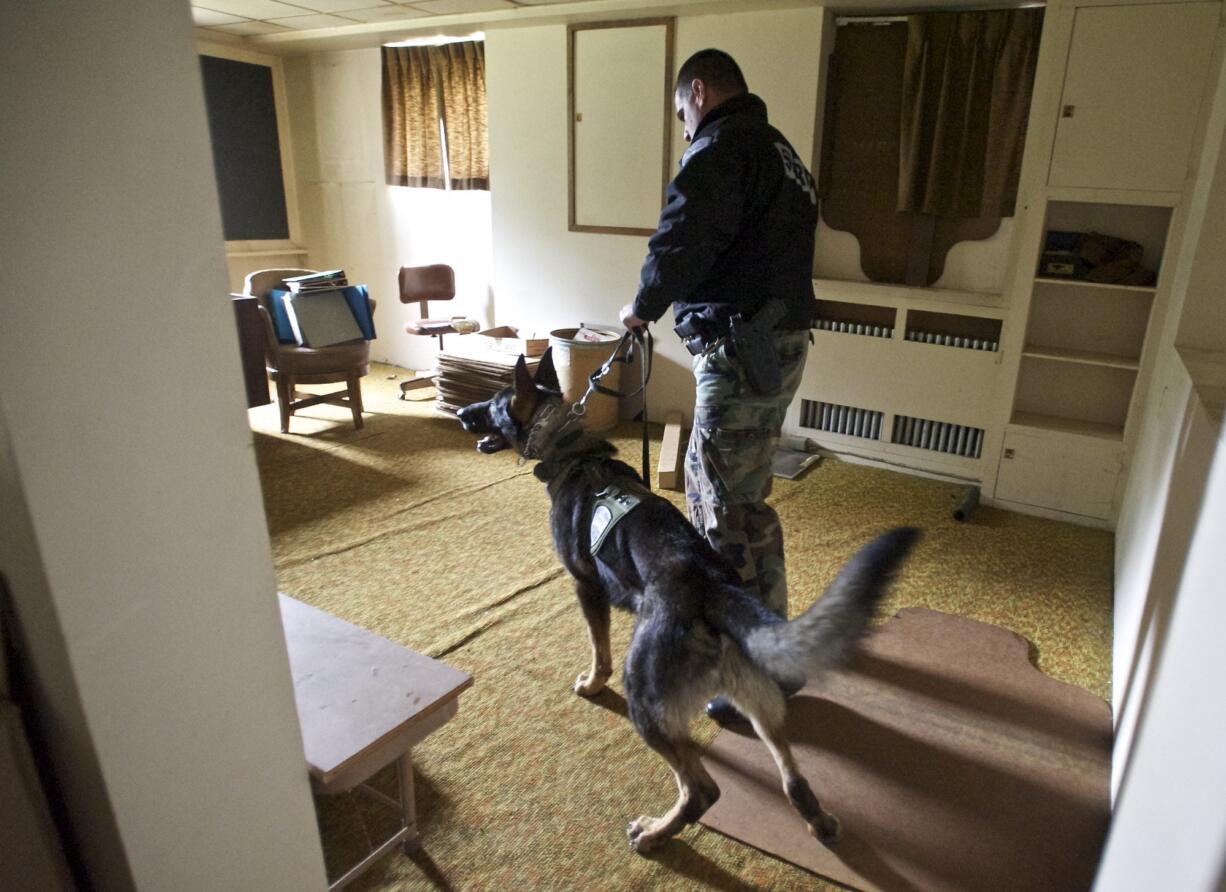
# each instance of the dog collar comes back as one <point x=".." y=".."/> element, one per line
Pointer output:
<point x="611" y="505"/>
<point x="571" y="449"/>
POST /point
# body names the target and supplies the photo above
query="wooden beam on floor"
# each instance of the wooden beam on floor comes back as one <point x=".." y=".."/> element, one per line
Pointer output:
<point x="669" y="473"/>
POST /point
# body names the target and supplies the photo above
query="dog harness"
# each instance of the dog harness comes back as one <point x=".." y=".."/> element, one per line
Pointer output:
<point x="611" y="505"/>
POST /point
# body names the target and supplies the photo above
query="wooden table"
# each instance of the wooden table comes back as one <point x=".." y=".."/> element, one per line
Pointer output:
<point x="363" y="703"/>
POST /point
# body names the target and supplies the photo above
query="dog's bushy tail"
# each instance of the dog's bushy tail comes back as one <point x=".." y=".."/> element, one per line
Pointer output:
<point x="826" y="635"/>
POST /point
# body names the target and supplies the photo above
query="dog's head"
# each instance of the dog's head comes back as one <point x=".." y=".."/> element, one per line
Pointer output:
<point x="506" y="419"/>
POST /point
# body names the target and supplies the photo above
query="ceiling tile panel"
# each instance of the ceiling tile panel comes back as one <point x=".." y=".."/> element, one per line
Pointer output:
<point x="385" y="14"/>
<point x="208" y="17"/>
<point x="311" y="22"/>
<point x="260" y="9"/>
<point x="247" y="29"/>
<point x="343" y="6"/>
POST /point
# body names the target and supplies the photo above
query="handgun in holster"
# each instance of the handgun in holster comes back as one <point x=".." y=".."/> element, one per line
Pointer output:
<point x="753" y="343"/>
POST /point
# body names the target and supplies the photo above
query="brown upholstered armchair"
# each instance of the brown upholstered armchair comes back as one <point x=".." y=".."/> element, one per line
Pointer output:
<point x="290" y="364"/>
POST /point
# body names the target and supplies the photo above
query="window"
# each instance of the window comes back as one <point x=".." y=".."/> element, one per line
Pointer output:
<point x="435" y="131"/>
<point x="924" y="127"/>
<point x="242" y="110"/>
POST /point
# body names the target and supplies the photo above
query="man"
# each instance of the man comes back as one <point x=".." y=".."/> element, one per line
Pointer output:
<point x="735" y="238"/>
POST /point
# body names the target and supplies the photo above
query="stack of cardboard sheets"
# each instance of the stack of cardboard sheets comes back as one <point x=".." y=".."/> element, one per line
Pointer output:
<point x="472" y="374"/>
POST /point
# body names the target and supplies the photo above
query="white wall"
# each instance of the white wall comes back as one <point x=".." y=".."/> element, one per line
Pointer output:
<point x="1170" y="465"/>
<point x="1203" y="322"/>
<point x="353" y="220"/>
<point x="1150" y="547"/>
<point x="546" y="277"/>
<point x="133" y="536"/>
<point x="1169" y="827"/>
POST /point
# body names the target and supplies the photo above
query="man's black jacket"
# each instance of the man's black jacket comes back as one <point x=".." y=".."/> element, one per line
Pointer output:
<point x="738" y="224"/>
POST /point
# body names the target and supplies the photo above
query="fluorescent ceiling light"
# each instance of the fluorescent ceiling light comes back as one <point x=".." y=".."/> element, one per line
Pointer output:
<point x="438" y="39"/>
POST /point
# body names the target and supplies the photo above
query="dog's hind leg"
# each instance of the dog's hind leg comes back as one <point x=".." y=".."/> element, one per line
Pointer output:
<point x="671" y="670"/>
<point x="595" y="607"/>
<point x="763" y="702"/>
<point x="823" y="825"/>
<point x="696" y="792"/>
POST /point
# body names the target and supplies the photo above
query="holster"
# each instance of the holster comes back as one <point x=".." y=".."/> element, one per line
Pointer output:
<point x="699" y="331"/>
<point x="753" y="343"/>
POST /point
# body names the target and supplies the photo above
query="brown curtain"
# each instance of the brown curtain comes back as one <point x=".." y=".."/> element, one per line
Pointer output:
<point x="859" y="169"/>
<point x="435" y="96"/>
<point x="460" y="68"/>
<point x="966" y="96"/>
<point x="412" y="150"/>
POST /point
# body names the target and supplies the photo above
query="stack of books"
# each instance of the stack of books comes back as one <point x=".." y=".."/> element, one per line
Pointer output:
<point x="325" y="281"/>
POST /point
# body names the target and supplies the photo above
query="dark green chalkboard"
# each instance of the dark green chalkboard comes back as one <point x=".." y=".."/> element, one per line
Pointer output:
<point x="246" y="149"/>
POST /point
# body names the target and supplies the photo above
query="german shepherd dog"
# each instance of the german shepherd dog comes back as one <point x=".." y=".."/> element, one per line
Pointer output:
<point x="698" y="632"/>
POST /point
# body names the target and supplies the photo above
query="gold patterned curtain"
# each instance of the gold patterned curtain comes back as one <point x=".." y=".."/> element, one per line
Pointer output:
<point x="412" y="149"/>
<point x="966" y="96"/>
<point x="460" y="68"/>
<point x="434" y="96"/>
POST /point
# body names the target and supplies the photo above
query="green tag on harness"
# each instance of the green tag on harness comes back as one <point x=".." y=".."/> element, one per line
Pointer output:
<point x="611" y="505"/>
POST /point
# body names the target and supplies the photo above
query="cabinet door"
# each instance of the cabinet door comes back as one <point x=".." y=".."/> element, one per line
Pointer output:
<point x="1132" y="91"/>
<point x="621" y="125"/>
<point x="1064" y="473"/>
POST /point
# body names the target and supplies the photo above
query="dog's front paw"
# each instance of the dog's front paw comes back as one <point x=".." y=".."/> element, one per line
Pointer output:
<point x="589" y="684"/>
<point x="642" y="834"/>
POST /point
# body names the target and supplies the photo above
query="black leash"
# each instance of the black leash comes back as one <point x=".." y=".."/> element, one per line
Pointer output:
<point x="643" y="339"/>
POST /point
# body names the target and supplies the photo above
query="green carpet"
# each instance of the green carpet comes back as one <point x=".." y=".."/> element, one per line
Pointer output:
<point x="404" y="529"/>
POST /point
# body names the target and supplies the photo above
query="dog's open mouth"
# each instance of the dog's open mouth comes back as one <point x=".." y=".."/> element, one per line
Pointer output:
<point x="491" y="443"/>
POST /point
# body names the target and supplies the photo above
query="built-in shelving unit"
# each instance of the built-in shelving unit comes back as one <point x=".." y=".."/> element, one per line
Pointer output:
<point x="1109" y="151"/>
<point x="1085" y="340"/>
<point x="1081" y="358"/>
<point x="1033" y="387"/>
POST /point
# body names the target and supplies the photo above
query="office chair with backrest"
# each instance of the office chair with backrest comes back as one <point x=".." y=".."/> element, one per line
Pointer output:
<point x="290" y="364"/>
<point x="422" y="284"/>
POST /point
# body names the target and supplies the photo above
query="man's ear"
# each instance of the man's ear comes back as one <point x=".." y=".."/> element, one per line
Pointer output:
<point x="698" y="90"/>
<point x="546" y="375"/>
<point x="523" y="400"/>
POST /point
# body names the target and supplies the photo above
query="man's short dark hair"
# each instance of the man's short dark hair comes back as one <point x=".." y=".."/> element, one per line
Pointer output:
<point x="716" y="69"/>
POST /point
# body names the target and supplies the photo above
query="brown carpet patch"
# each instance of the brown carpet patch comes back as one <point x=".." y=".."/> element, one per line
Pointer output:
<point x="951" y="761"/>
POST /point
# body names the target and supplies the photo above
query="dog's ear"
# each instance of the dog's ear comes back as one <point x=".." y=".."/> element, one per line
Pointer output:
<point x="523" y="400"/>
<point x="546" y="375"/>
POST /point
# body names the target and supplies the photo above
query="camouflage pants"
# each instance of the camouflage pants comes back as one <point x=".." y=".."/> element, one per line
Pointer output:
<point x="728" y="464"/>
